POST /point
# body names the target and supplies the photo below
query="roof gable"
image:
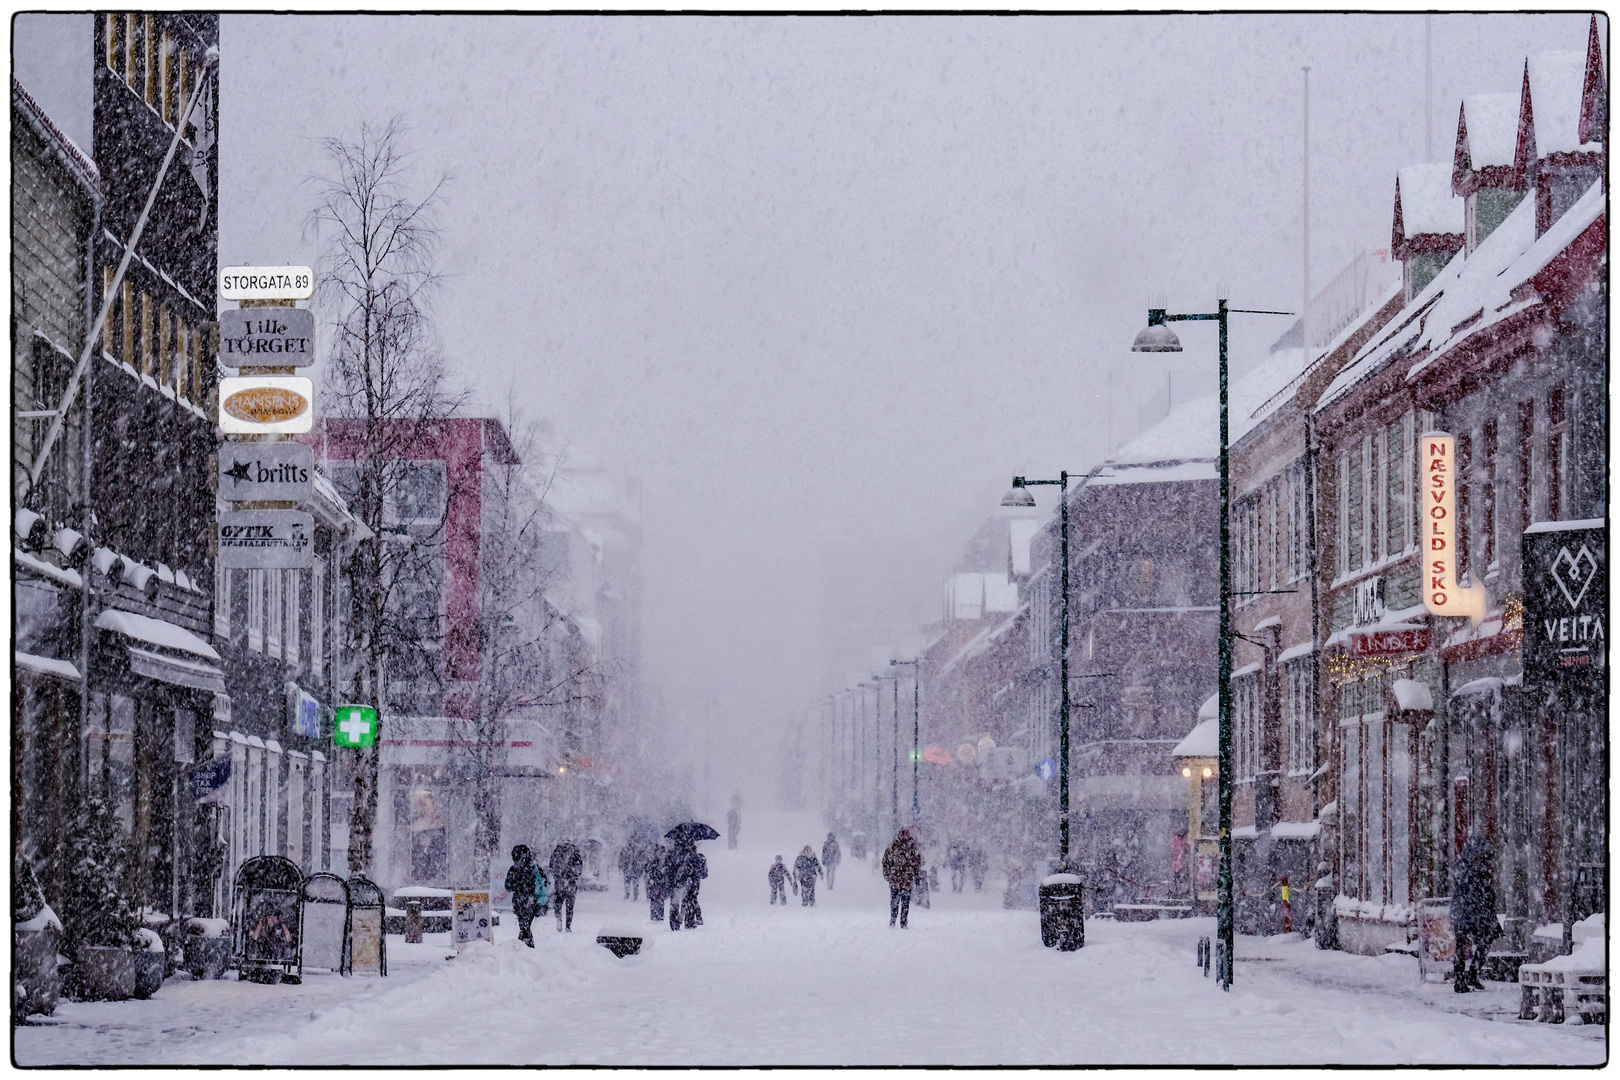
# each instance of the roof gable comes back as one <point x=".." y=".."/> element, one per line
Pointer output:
<point x="1425" y="205"/>
<point x="1594" y="122"/>
<point x="1550" y="101"/>
<point x="1487" y="129"/>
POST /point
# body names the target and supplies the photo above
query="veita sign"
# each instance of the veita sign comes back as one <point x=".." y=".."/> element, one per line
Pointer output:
<point x="1566" y="601"/>
<point x="266" y="405"/>
<point x="267" y="337"/>
<point x="266" y="283"/>
<point x="256" y="471"/>
<point x="1437" y="539"/>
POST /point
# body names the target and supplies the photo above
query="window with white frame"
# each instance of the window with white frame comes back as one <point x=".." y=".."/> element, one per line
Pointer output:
<point x="317" y="617"/>
<point x="255" y="613"/>
<point x="294" y="598"/>
<point x="1301" y="710"/>
<point x="1246" y="721"/>
<point x="274" y="606"/>
<point x="222" y="599"/>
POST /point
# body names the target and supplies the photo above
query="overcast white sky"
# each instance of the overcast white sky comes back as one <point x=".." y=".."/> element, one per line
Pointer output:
<point x="825" y="284"/>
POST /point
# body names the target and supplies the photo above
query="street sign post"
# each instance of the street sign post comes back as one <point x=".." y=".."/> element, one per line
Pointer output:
<point x="266" y="539"/>
<point x="266" y="405"/>
<point x="354" y="727"/>
<point x="267" y="337"/>
<point x="266" y="282"/>
<point x="257" y="472"/>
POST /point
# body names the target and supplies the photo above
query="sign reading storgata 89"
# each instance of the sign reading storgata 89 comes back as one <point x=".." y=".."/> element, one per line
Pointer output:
<point x="266" y="404"/>
<point x="266" y="282"/>
<point x="1437" y="540"/>
<point x="267" y="336"/>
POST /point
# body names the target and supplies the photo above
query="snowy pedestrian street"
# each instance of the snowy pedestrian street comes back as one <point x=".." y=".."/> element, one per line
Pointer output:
<point x="968" y="983"/>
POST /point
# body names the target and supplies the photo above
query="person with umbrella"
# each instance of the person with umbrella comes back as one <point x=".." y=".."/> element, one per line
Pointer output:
<point x="806" y="868"/>
<point x="566" y="866"/>
<point x="687" y="870"/>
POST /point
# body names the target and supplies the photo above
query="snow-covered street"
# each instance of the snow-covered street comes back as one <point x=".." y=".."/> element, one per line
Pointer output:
<point x="968" y="983"/>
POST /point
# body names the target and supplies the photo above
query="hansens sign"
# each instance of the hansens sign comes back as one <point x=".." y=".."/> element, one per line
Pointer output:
<point x="266" y="405"/>
<point x="266" y="539"/>
<point x="1566" y="601"/>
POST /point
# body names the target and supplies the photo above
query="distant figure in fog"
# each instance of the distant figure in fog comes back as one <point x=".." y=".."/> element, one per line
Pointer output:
<point x="830" y="857"/>
<point x="978" y="863"/>
<point x="733" y="821"/>
<point x="956" y="857"/>
<point x="657" y="880"/>
<point x="805" y="871"/>
<point x="567" y="864"/>
<point x="902" y="866"/>
<point x="778" y="879"/>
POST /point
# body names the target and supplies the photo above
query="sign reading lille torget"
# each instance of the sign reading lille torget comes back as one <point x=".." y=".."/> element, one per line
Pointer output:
<point x="259" y="471"/>
<point x="267" y="337"/>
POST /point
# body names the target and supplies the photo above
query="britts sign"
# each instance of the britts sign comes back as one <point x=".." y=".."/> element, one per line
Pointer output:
<point x="1437" y="538"/>
<point x="250" y="472"/>
<point x="1566" y="600"/>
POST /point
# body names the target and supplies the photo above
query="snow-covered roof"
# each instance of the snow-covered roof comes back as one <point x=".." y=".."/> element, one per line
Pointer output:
<point x="1553" y="82"/>
<point x="1211" y="707"/>
<point x="46" y="665"/>
<point x="1201" y="741"/>
<point x="39" y="566"/>
<point x="1294" y="652"/>
<point x="1488" y="131"/>
<point x="1190" y="430"/>
<point x="1488" y="685"/>
<point x="1246" y="669"/>
<point x="1425" y="203"/>
<point x="154" y="631"/>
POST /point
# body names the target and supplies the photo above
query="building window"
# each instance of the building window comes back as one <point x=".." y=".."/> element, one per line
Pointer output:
<point x="255" y="612"/>
<point x="1557" y="454"/>
<point x="1246" y="717"/>
<point x="418" y="495"/>
<point x="1300" y="693"/>
<point x="1353" y="509"/>
<point x="1488" y="494"/>
<point x="1527" y="443"/>
<point x="1421" y="269"/>
<point x="1397" y="497"/>
<point x="126" y="323"/>
<point x="146" y="364"/>
<point x="275" y="605"/>
<point x="222" y="600"/>
<point x="114" y="57"/>
<point x="294" y="598"/>
<point x="148" y="45"/>
<point x="132" y="48"/>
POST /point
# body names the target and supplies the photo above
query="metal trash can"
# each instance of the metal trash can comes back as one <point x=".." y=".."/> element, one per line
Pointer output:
<point x="1063" y="920"/>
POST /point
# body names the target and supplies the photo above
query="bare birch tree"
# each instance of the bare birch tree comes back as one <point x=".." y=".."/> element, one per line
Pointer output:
<point x="383" y="385"/>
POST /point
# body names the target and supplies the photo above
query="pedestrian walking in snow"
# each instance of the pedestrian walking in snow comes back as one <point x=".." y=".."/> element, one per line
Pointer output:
<point x="523" y="883"/>
<point x="657" y="881"/>
<point x="1473" y="911"/>
<point x="778" y="879"/>
<point x="921" y="888"/>
<point x="902" y="866"/>
<point x="687" y="869"/>
<point x="733" y="824"/>
<point x="979" y="864"/>
<point x="566" y="866"/>
<point x="624" y="863"/>
<point x="806" y="869"/>
<point x="956" y="858"/>
<point x="830" y="857"/>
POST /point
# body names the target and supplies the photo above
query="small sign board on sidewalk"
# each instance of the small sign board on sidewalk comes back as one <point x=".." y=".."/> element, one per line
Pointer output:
<point x="250" y="471"/>
<point x="267" y="337"/>
<point x="471" y="920"/>
<point x="266" y="282"/>
<point x="266" y="539"/>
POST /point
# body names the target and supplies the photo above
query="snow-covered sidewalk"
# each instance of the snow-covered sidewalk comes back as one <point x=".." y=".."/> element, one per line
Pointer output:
<point x="968" y="983"/>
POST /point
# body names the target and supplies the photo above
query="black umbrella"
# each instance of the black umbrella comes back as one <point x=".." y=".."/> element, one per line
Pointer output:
<point x="692" y="830"/>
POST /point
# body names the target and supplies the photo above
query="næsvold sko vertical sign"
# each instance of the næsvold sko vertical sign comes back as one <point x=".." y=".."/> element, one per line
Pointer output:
<point x="1437" y="491"/>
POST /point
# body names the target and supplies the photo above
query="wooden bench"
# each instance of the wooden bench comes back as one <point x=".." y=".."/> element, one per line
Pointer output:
<point x="1549" y="992"/>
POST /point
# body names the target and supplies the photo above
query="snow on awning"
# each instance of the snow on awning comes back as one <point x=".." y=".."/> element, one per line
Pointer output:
<point x="171" y="669"/>
<point x="1246" y="669"/>
<point x="155" y="632"/>
<point x="1296" y="830"/>
<point x="1201" y="741"/>
<point x="1211" y="708"/>
<point x="60" y="574"/>
<point x="1412" y="696"/>
<point x="1294" y="652"/>
<point x="1488" y="685"/>
<point x="45" y="665"/>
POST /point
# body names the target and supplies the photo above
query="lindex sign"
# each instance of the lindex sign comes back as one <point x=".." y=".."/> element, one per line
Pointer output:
<point x="258" y="471"/>
<point x="267" y="337"/>
<point x="354" y="727"/>
<point x="1566" y="602"/>
<point x="266" y="539"/>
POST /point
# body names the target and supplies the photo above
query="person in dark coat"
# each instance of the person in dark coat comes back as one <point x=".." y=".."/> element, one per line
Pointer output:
<point x="1473" y="911"/>
<point x="778" y="879"/>
<point x="523" y="885"/>
<point x="806" y="869"/>
<point x="902" y="868"/>
<point x="978" y="863"/>
<point x="687" y="869"/>
<point x="956" y="859"/>
<point x="830" y="857"/>
<point x="657" y="880"/>
<point x="566" y="866"/>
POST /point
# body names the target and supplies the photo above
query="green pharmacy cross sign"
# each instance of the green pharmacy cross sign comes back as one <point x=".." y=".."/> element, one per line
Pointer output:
<point x="354" y="726"/>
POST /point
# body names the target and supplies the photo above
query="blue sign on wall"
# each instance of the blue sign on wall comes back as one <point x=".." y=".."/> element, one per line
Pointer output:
<point x="208" y="777"/>
<point x="306" y="715"/>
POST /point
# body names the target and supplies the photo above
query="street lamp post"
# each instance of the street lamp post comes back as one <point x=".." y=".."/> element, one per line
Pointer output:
<point x="916" y="727"/>
<point x="1020" y="496"/>
<point x="1158" y="337"/>
<point x="894" y="746"/>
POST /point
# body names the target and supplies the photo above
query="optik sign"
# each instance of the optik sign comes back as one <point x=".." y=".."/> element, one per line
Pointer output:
<point x="1566" y="601"/>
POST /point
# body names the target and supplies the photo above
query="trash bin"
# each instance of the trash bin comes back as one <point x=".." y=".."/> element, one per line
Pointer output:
<point x="1063" y="921"/>
<point x="413" y="921"/>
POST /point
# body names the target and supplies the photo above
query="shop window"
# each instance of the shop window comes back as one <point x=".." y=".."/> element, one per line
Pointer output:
<point x="1465" y="464"/>
<point x="148" y="47"/>
<point x="113" y="32"/>
<point x="1488" y="446"/>
<point x="274" y="606"/>
<point x="1557" y="453"/>
<point x="294" y="584"/>
<point x="126" y="323"/>
<point x="430" y="852"/>
<point x="132" y="50"/>
<point x="165" y="347"/>
<point x="109" y="751"/>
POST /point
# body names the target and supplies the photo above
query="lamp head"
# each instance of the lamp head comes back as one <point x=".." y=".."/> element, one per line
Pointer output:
<point x="1157" y="335"/>
<point x="1019" y="495"/>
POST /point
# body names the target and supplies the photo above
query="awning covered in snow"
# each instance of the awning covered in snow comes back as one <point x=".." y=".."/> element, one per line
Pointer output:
<point x="189" y="670"/>
<point x="171" y="669"/>
<point x="1201" y="741"/>
<point x="1412" y="696"/>
<point x="155" y="632"/>
<point x="45" y="665"/>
